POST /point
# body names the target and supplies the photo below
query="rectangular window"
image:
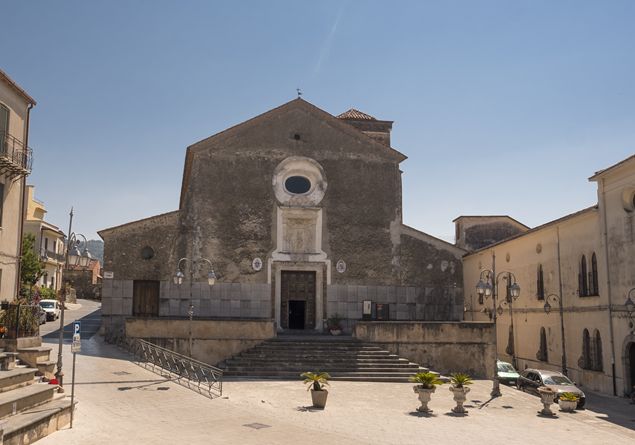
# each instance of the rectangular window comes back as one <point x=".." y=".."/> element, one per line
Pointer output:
<point x="46" y="244"/>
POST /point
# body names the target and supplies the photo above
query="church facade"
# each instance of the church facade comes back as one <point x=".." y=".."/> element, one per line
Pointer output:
<point x="298" y="213"/>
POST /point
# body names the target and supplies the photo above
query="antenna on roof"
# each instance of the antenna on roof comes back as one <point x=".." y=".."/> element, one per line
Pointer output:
<point x="299" y="92"/>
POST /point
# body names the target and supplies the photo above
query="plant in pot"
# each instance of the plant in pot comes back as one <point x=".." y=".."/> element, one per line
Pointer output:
<point x="334" y="324"/>
<point x="426" y="384"/>
<point x="459" y="388"/>
<point x="547" y="396"/>
<point x="568" y="401"/>
<point x="316" y="381"/>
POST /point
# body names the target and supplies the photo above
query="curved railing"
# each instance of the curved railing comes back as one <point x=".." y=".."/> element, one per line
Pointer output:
<point x="197" y="376"/>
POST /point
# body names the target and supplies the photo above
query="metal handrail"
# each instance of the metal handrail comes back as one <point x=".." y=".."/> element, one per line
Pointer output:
<point x="197" y="376"/>
<point x="12" y="149"/>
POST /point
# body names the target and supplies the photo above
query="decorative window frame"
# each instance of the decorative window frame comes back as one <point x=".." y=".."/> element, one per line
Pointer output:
<point x="299" y="166"/>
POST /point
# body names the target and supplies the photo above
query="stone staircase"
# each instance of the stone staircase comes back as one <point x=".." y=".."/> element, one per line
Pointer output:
<point x="344" y="358"/>
<point x="30" y="408"/>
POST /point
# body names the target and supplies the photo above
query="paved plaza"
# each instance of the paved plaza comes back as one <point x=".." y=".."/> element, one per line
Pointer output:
<point x="122" y="403"/>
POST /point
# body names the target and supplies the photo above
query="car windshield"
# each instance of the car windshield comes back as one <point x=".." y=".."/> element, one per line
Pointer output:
<point x="557" y="380"/>
<point x="505" y="367"/>
<point x="47" y="304"/>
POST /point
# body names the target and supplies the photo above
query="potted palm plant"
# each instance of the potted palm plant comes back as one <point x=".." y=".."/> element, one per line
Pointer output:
<point x="568" y="401"/>
<point x="334" y="324"/>
<point x="316" y="382"/>
<point x="426" y="384"/>
<point x="459" y="390"/>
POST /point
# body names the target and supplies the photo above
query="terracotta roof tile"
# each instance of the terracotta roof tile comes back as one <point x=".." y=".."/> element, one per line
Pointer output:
<point x="356" y="115"/>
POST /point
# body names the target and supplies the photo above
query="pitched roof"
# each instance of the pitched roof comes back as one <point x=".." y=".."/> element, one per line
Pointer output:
<point x="491" y="216"/>
<point x="356" y="115"/>
<point x="5" y="77"/>
<point x="535" y="229"/>
<point x="607" y="169"/>
<point x="299" y="102"/>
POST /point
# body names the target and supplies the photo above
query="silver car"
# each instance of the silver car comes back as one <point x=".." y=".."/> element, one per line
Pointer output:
<point x="531" y="379"/>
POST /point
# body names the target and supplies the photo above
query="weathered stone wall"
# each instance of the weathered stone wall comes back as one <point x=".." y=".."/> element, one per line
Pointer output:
<point x="481" y="235"/>
<point x="212" y="340"/>
<point x="405" y="302"/>
<point x="229" y="209"/>
<point x="123" y="248"/>
<point x="441" y="346"/>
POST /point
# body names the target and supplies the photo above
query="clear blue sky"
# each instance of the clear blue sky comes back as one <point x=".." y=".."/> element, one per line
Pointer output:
<point x="502" y="107"/>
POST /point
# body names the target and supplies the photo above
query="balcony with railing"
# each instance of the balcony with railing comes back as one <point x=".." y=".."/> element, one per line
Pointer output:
<point x="15" y="157"/>
<point x="47" y="255"/>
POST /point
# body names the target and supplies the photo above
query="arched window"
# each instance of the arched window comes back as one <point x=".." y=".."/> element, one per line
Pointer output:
<point x="594" y="283"/>
<point x="597" y="364"/>
<point x="583" y="288"/>
<point x="542" y="354"/>
<point x="540" y="283"/>
<point x="585" y="360"/>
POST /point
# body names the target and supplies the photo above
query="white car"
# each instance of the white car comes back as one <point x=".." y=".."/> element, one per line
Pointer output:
<point x="52" y="309"/>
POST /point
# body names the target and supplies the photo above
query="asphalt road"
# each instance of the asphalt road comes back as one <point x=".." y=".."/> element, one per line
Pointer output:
<point x="88" y="312"/>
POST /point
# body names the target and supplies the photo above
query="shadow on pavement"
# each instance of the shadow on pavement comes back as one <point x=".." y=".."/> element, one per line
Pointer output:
<point x="90" y="325"/>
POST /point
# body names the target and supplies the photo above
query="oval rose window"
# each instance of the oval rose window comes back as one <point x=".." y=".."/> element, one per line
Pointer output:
<point x="297" y="185"/>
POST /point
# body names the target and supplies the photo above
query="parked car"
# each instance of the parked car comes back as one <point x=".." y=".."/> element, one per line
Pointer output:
<point x="531" y="379"/>
<point x="52" y="309"/>
<point x="506" y="374"/>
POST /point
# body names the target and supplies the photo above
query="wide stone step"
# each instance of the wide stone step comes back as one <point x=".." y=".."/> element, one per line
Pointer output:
<point x="34" y="355"/>
<point x="268" y="359"/>
<point x="33" y="424"/>
<point x="329" y="369"/>
<point x="335" y="374"/>
<point x="16" y="378"/>
<point x="20" y="399"/>
<point x="315" y="363"/>
<point x="352" y="356"/>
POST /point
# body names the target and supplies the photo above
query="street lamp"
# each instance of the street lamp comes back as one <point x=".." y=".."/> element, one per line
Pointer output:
<point x="630" y="308"/>
<point x="178" y="280"/>
<point x="547" y="307"/>
<point x="487" y="286"/>
<point x="75" y="256"/>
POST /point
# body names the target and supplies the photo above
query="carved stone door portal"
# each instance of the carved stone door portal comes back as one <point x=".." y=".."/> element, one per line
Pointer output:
<point x="297" y="308"/>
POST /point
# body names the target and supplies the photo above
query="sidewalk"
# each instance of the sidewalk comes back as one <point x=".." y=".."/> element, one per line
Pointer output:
<point x="122" y="403"/>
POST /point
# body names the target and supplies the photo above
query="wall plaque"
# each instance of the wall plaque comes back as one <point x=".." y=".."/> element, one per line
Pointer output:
<point x="256" y="264"/>
<point x="340" y="266"/>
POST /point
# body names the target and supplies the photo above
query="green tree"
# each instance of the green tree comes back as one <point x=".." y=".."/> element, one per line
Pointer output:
<point x="31" y="268"/>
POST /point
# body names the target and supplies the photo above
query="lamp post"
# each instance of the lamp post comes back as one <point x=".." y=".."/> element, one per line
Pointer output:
<point x="178" y="280"/>
<point x="558" y="299"/>
<point x="488" y="286"/>
<point x="81" y="258"/>
<point x="630" y="308"/>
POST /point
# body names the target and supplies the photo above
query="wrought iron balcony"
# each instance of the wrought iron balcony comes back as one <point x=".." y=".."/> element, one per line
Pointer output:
<point x="47" y="255"/>
<point x="15" y="158"/>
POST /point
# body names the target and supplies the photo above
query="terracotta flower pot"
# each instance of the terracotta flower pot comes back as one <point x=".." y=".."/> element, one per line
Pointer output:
<point x="319" y="398"/>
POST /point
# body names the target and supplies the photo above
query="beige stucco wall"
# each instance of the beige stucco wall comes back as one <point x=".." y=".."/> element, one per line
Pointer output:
<point x="212" y="340"/>
<point x="10" y="226"/>
<point x="444" y="347"/>
<point x="578" y="234"/>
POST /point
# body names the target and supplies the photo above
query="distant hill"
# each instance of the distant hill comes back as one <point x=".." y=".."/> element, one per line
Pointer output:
<point x="96" y="249"/>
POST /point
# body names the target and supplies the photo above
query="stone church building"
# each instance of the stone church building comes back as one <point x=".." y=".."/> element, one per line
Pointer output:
<point x="299" y="213"/>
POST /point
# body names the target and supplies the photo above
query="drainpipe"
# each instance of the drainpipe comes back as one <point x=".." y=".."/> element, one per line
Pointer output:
<point x="564" y="345"/>
<point x="608" y="284"/>
<point x="22" y="206"/>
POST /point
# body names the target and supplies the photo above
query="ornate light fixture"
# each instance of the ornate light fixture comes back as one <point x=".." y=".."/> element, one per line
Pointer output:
<point x="488" y="286"/>
<point x="179" y="276"/>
